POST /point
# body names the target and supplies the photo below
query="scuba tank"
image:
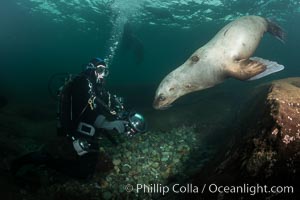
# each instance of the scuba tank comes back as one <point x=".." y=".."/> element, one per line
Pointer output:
<point x="64" y="107"/>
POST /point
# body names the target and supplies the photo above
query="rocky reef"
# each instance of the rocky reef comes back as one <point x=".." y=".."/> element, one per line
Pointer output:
<point x="261" y="147"/>
<point x="284" y="101"/>
<point x="165" y="156"/>
<point x="264" y="149"/>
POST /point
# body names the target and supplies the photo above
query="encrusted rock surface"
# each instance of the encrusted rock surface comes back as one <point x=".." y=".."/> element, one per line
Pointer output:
<point x="284" y="101"/>
<point x="265" y="148"/>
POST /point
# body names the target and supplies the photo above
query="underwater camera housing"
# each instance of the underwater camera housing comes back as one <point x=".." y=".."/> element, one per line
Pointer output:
<point x="136" y="123"/>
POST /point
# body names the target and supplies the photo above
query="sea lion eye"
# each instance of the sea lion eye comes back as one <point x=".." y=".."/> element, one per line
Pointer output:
<point x="188" y="86"/>
<point x="161" y="98"/>
<point x="195" y="58"/>
<point x="171" y="89"/>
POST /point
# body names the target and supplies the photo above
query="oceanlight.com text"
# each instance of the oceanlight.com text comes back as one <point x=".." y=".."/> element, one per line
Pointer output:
<point x="211" y="188"/>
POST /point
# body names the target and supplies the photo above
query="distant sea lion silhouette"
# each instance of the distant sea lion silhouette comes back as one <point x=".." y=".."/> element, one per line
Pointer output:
<point x="225" y="55"/>
<point x="131" y="42"/>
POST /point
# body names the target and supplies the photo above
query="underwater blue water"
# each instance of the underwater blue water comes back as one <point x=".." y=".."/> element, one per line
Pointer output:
<point x="39" y="38"/>
<point x="142" y="41"/>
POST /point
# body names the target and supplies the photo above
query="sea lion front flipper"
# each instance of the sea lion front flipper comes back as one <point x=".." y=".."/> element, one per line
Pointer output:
<point x="272" y="67"/>
<point x="253" y="68"/>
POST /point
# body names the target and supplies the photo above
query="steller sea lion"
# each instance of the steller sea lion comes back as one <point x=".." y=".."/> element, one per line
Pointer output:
<point x="225" y="55"/>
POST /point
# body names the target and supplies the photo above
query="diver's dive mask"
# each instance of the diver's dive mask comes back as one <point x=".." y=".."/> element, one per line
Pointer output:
<point x="102" y="70"/>
<point x="98" y="68"/>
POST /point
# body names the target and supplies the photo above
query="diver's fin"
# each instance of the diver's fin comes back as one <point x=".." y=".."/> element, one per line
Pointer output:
<point x="271" y="67"/>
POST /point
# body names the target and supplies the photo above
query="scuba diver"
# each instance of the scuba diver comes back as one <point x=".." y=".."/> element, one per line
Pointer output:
<point x="86" y="109"/>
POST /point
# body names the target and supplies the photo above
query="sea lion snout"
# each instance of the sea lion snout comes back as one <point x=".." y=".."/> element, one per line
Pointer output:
<point x="161" y="102"/>
<point x="158" y="101"/>
<point x="170" y="89"/>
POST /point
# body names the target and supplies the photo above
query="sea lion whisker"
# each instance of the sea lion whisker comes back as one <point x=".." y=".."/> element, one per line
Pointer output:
<point x="165" y="107"/>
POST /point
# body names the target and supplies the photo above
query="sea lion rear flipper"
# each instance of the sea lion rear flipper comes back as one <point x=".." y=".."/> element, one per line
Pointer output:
<point x="253" y="68"/>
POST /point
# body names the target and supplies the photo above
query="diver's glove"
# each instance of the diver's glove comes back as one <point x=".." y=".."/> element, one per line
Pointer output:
<point x="118" y="125"/>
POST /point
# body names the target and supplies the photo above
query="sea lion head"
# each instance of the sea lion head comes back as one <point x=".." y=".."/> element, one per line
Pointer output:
<point x="183" y="80"/>
<point x="167" y="92"/>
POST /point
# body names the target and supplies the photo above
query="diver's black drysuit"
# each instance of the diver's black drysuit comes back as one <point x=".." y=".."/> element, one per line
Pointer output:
<point x="84" y="106"/>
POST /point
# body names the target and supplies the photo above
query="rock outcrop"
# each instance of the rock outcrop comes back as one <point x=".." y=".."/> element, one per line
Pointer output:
<point x="264" y="149"/>
<point x="284" y="101"/>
